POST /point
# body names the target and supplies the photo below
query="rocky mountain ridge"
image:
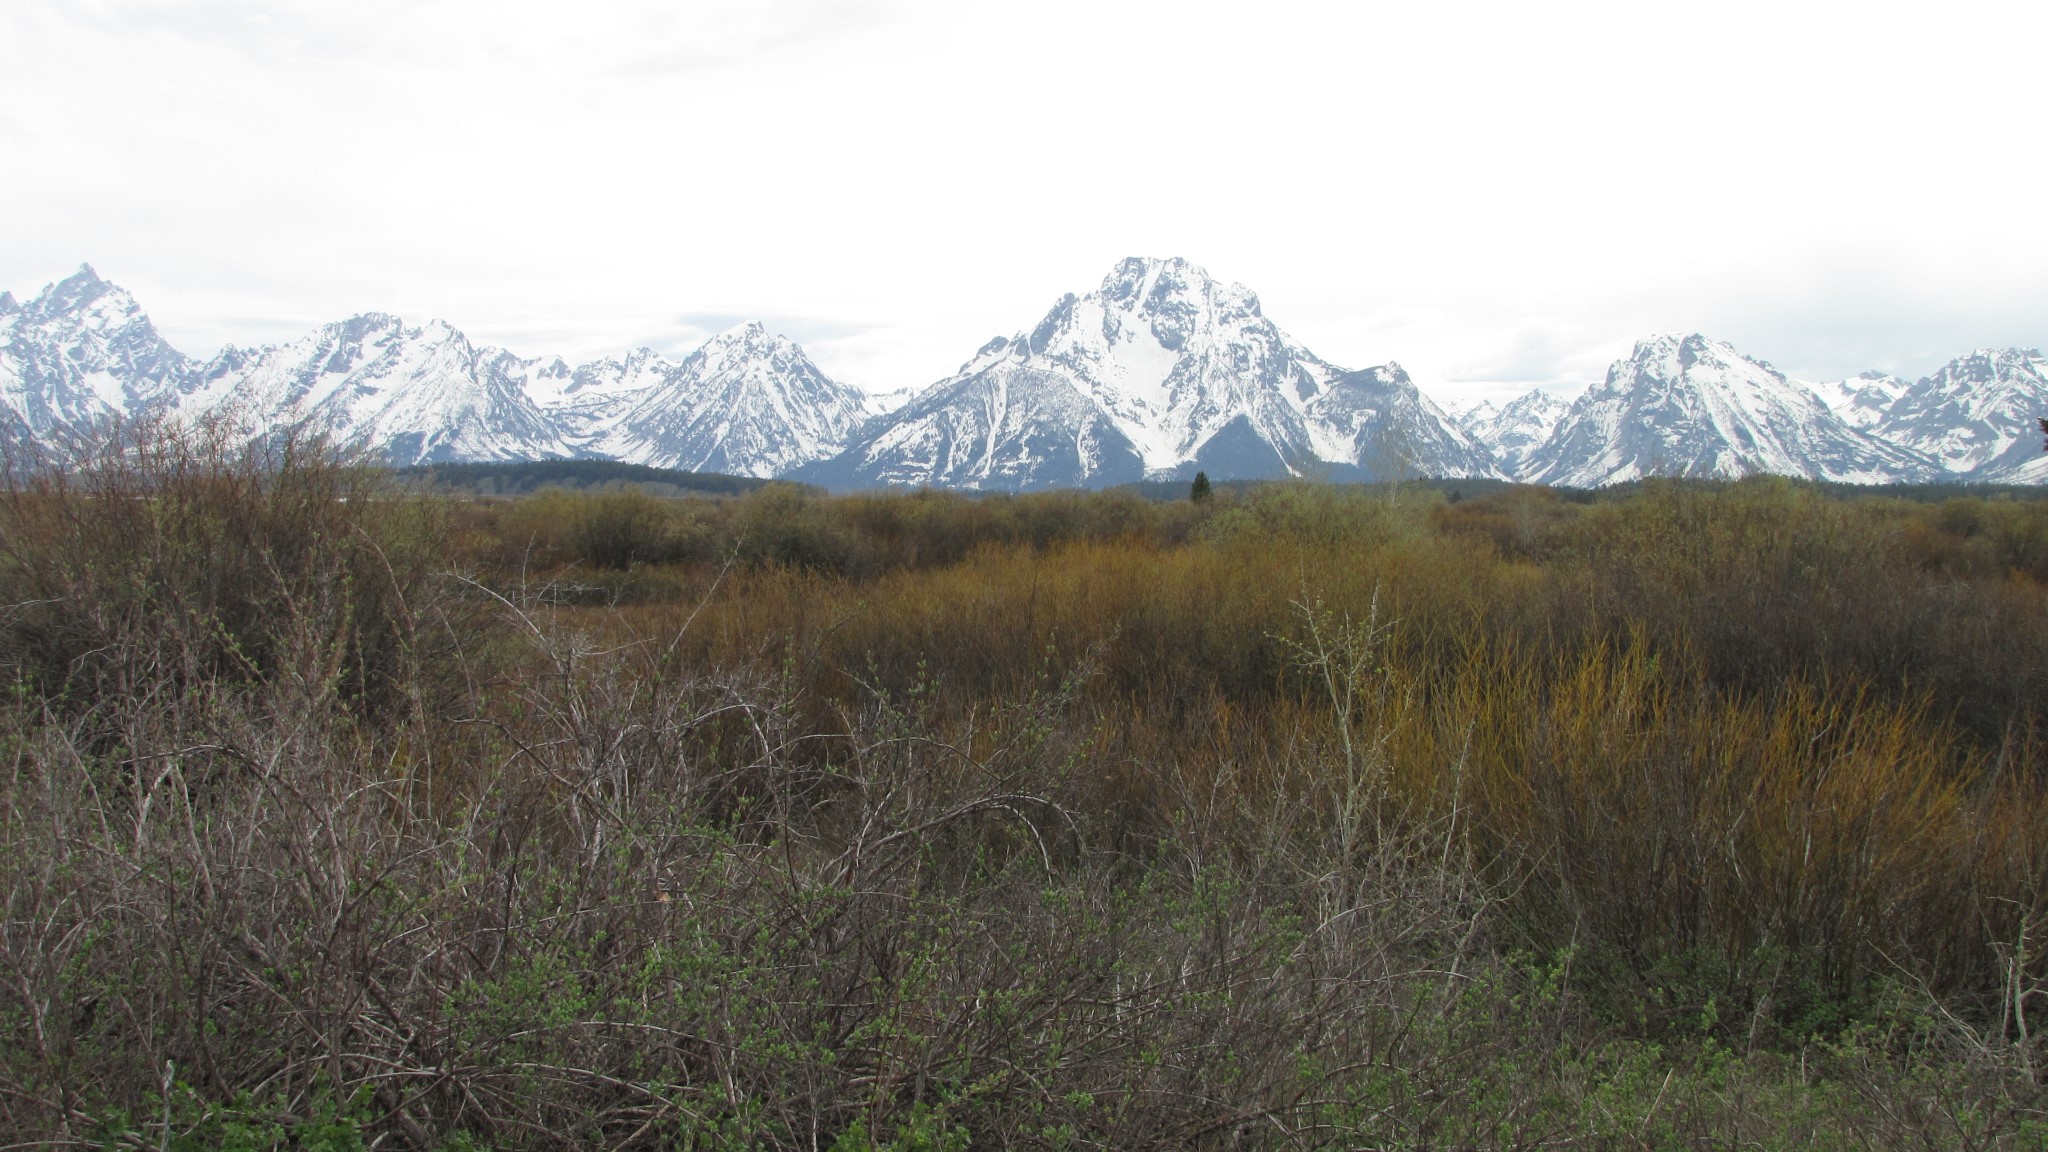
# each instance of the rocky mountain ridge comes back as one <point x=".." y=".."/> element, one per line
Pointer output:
<point x="1159" y="372"/>
<point x="1695" y="407"/>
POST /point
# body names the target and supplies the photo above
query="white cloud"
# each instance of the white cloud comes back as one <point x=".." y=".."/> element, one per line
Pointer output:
<point x="1479" y="190"/>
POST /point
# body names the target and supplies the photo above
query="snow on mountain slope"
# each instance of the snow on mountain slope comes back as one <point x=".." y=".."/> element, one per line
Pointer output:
<point x="1007" y="426"/>
<point x="1165" y="363"/>
<point x="81" y="355"/>
<point x="748" y="403"/>
<point x="1376" y="425"/>
<point x="2034" y="471"/>
<point x="588" y="402"/>
<point x="883" y="403"/>
<point x="1690" y="406"/>
<point x="1466" y="410"/>
<point x="1517" y="429"/>
<point x="1173" y="356"/>
<point x="1159" y="372"/>
<point x="1976" y="415"/>
<point x="1862" y="401"/>
<point x="412" y="395"/>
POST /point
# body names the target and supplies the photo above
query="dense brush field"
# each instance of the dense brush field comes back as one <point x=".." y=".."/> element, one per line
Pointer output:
<point x="339" y="815"/>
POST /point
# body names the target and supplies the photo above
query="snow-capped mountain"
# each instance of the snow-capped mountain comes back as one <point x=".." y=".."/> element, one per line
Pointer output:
<point x="412" y="395"/>
<point x="1516" y="429"/>
<point x="80" y="355"/>
<point x="1375" y="424"/>
<point x="1862" y="401"/>
<point x="748" y="403"/>
<point x="1160" y="372"/>
<point x="1004" y="427"/>
<point x="83" y="354"/>
<point x="1465" y="410"/>
<point x="1690" y="406"/>
<point x="1976" y="416"/>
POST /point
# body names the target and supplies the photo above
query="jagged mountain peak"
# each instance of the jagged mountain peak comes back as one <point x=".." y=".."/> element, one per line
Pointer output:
<point x="1172" y="287"/>
<point x="636" y="359"/>
<point x="1515" y="430"/>
<point x="1469" y="412"/>
<point x="410" y="393"/>
<point x="748" y="401"/>
<point x="1863" y="399"/>
<point x="81" y="354"/>
<point x="1694" y="406"/>
<point x="369" y="334"/>
<point x="84" y="297"/>
<point x="1682" y="352"/>
<point x="750" y="340"/>
<point x="1975" y="414"/>
<point x="1160" y="370"/>
<point x="1171" y="355"/>
<point x="1990" y="365"/>
<point x="363" y="322"/>
<point x="1163" y="369"/>
<point x="84" y="279"/>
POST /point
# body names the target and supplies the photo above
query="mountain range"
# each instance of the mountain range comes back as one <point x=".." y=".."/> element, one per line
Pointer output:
<point x="1159" y="372"/>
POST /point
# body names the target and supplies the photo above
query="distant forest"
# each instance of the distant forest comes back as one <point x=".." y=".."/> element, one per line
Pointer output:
<point x="521" y="477"/>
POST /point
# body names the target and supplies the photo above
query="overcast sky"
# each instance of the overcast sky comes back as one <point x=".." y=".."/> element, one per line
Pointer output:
<point x="1488" y="193"/>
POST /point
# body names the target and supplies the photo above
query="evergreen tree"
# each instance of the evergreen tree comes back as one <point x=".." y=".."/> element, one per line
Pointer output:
<point x="1199" y="491"/>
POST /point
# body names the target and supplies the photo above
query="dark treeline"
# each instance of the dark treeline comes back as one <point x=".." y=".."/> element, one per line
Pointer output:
<point x="343" y="815"/>
<point x="518" y="478"/>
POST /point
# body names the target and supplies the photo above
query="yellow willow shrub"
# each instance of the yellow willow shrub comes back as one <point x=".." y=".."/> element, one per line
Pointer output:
<point x="1626" y="800"/>
<point x="1638" y="809"/>
<point x="1785" y="847"/>
<point x="1765" y="580"/>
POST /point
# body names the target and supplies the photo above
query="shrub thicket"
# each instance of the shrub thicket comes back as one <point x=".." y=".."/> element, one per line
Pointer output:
<point x="1297" y="817"/>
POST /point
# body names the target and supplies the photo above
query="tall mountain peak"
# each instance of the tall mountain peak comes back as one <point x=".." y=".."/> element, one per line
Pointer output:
<point x="82" y="353"/>
<point x="1175" y="296"/>
<point x="1694" y="406"/>
<point x="1163" y="369"/>
<point x="748" y="401"/>
<point x="80" y="290"/>
<point x="751" y="333"/>
<point x="1975" y="414"/>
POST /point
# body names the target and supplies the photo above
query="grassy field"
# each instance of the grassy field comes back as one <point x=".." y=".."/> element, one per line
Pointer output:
<point x="340" y="815"/>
